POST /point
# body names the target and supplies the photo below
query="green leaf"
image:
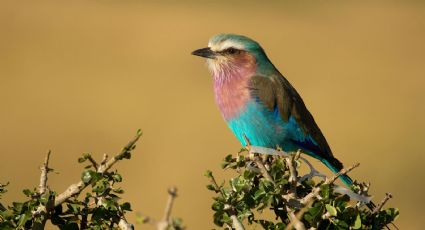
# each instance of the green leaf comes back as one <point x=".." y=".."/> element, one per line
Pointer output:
<point x="316" y="210"/>
<point x="17" y="207"/>
<point x="118" y="190"/>
<point x="325" y="191"/>
<point x="208" y="174"/>
<point x="259" y="194"/>
<point x="217" y="206"/>
<point x="357" y="222"/>
<point x="228" y="158"/>
<point x="109" y="204"/>
<point x="45" y="197"/>
<point x="237" y="184"/>
<point x="23" y="218"/>
<point x="27" y="192"/>
<point x="86" y="176"/>
<point x="126" y="206"/>
<point x="101" y="186"/>
<point x="84" y="157"/>
<point x="211" y="187"/>
<point x="74" y="208"/>
<point x="331" y="209"/>
<point x="117" y="177"/>
<point x="392" y="212"/>
<point x="342" y="224"/>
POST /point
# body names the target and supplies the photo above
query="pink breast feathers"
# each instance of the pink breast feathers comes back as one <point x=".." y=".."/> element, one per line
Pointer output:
<point x="231" y="81"/>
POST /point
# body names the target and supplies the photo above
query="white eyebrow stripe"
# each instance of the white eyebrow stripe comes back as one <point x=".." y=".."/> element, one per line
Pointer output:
<point x="225" y="44"/>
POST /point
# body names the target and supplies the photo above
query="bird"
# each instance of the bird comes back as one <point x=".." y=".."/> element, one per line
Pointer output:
<point x="259" y="104"/>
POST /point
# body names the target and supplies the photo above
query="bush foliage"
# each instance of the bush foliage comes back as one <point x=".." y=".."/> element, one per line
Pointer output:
<point x="99" y="208"/>
<point x="263" y="183"/>
<point x="250" y="193"/>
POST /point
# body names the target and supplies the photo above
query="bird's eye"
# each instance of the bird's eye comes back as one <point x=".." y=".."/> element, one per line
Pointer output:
<point x="232" y="50"/>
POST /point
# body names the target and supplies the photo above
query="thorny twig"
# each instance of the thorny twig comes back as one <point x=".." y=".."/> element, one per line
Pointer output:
<point x="76" y="188"/>
<point x="42" y="188"/>
<point x="166" y="221"/>
<point x="79" y="186"/>
<point x="292" y="179"/>
<point x="293" y="173"/>
<point x="308" y="200"/>
<point x="93" y="162"/>
<point x="331" y="180"/>
<point x="237" y="224"/>
<point x="43" y="177"/>
<point x="382" y="203"/>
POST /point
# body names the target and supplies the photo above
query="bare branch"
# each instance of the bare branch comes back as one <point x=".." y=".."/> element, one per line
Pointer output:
<point x="316" y="190"/>
<point x="166" y="221"/>
<point x="124" y="153"/>
<point x="43" y="177"/>
<point x="344" y="171"/>
<point x="104" y="159"/>
<point x="42" y="188"/>
<point x="124" y="225"/>
<point x="382" y="203"/>
<point x="172" y="194"/>
<point x="92" y="161"/>
<point x="72" y="190"/>
<point x="295" y="221"/>
<point x="307" y="201"/>
<point x="263" y="169"/>
<point x="293" y="176"/>
<point x="237" y="223"/>
<point x="79" y="186"/>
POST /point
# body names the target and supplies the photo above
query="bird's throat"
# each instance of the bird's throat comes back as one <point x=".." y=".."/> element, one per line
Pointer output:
<point x="231" y="87"/>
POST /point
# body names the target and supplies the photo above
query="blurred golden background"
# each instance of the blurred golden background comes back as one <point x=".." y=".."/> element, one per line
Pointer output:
<point x="83" y="76"/>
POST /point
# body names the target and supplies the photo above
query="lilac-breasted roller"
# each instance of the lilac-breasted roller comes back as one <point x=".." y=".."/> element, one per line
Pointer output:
<point x="259" y="104"/>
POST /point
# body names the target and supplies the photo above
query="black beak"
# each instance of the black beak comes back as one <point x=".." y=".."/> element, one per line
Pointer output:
<point x="204" y="52"/>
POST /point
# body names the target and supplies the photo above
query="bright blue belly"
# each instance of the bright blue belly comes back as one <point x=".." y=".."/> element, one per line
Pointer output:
<point x="266" y="128"/>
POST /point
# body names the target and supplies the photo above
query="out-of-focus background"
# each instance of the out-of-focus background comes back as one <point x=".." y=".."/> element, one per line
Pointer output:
<point x="83" y="76"/>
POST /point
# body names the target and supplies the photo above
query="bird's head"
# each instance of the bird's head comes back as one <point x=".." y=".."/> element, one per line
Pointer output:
<point x="228" y="52"/>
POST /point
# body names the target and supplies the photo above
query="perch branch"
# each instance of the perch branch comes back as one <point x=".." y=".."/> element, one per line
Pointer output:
<point x="293" y="173"/>
<point x="263" y="169"/>
<point x="293" y="177"/>
<point x="316" y="190"/>
<point x="307" y="201"/>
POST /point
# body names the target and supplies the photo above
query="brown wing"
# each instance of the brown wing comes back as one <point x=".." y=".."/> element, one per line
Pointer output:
<point x="275" y="91"/>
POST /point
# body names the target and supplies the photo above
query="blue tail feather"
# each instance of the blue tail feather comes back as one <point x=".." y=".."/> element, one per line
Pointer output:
<point x="344" y="178"/>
